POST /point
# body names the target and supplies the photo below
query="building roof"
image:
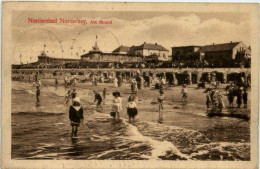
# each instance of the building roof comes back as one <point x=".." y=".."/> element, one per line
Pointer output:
<point x="132" y="50"/>
<point x="122" y="49"/>
<point x="192" y="46"/>
<point x="219" y="47"/>
<point x="151" y="47"/>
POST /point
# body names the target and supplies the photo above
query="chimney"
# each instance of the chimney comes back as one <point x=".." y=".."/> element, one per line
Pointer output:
<point x="230" y="41"/>
<point x="213" y="43"/>
<point x="155" y="43"/>
<point x="249" y="47"/>
<point x="144" y="42"/>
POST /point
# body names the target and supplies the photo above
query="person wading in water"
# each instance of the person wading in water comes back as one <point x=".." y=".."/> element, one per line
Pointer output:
<point x="76" y="116"/>
<point x="117" y="105"/>
<point x="38" y="92"/>
<point x="73" y="94"/>
<point x="184" y="93"/>
<point x="98" y="98"/>
<point x="161" y="99"/>
<point x="131" y="108"/>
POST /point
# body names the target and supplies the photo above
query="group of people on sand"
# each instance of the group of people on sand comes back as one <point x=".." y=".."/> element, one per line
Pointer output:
<point x="214" y="99"/>
<point x="239" y="92"/>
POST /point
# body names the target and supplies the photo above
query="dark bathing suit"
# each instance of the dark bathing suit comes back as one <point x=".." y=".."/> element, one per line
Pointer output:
<point x="75" y="116"/>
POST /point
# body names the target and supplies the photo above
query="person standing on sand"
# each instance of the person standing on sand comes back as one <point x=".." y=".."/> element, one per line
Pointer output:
<point x="115" y="82"/>
<point x="239" y="98"/>
<point x="244" y="95"/>
<point x="98" y="98"/>
<point x="208" y="100"/>
<point x="131" y="108"/>
<point x="221" y="104"/>
<point x="230" y="96"/>
<point x="76" y="116"/>
<point x="214" y="99"/>
<point x="184" y="93"/>
<point x="120" y="80"/>
<point x="138" y="80"/>
<point x="134" y="88"/>
<point x="117" y="104"/>
<point x="161" y="99"/>
<point x="141" y="82"/>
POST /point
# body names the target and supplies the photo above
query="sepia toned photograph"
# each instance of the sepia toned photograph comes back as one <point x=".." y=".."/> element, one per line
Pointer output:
<point x="114" y="83"/>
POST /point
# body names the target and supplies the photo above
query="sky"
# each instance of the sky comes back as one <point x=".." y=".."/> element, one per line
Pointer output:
<point x="168" y="29"/>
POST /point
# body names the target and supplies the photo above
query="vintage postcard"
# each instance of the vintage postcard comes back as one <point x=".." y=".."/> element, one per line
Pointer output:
<point x="129" y="85"/>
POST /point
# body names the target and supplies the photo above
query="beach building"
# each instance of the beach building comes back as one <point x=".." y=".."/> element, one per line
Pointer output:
<point x="152" y="51"/>
<point x="225" y="54"/>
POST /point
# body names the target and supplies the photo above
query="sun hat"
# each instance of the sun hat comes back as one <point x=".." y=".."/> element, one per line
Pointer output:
<point x="116" y="93"/>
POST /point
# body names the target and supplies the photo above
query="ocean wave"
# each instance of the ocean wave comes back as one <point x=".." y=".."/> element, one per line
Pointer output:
<point x="155" y="149"/>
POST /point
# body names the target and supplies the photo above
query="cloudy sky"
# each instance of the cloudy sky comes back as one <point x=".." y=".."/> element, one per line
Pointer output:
<point x="129" y="28"/>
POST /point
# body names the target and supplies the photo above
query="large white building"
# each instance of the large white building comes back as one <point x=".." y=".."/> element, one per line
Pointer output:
<point x="148" y="49"/>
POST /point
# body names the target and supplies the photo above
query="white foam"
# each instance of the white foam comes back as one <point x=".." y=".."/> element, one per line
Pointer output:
<point x="159" y="148"/>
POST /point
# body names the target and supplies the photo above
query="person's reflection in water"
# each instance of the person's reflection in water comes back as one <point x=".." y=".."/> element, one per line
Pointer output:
<point x="38" y="104"/>
<point x="74" y="140"/>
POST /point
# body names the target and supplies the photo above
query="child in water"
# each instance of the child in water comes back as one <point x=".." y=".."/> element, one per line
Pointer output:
<point x="98" y="98"/>
<point x="117" y="105"/>
<point x="76" y="116"/>
<point x="184" y="93"/>
<point x="68" y="96"/>
<point x="73" y="94"/>
<point x="161" y="99"/>
<point x="221" y="104"/>
<point x="131" y="108"/>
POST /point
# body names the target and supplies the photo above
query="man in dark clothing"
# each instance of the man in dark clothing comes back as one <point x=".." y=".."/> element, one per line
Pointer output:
<point x="98" y="98"/>
<point x="76" y="116"/>
<point x="245" y="98"/>
<point x="239" y="98"/>
<point x="38" y="92"/>
<point x="138" y="80"/>
<point x="120" y="80"/>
